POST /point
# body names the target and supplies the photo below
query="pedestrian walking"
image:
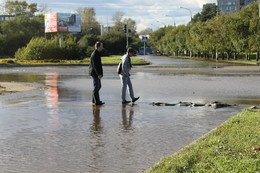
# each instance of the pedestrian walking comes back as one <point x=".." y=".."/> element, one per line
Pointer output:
<point x="125" y="76"/>
<point x="96" y="72"/>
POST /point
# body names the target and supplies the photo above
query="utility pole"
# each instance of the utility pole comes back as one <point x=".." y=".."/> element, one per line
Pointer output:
<point x="126" y="33"/>
<point x="101" y="29"/>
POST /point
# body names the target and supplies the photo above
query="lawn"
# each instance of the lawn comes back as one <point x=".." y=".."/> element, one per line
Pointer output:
<point x="234" y="146"/>
<point x="111" y="60"/>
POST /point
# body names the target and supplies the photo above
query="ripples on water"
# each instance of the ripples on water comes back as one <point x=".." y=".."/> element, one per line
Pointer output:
<point x="58" y="130"/>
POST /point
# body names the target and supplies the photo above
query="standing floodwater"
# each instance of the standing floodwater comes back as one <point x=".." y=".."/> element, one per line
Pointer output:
<point x="57" y="129"/>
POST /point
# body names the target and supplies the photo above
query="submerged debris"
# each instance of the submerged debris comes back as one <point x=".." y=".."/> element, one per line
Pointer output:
<point x="214" y="104"/>
<point x="162" y="104"/>
<point x="217" y="104"/>
<point x="197" y="104"/>
<point x="184" y="103"/>
<point x="254" y="107"/>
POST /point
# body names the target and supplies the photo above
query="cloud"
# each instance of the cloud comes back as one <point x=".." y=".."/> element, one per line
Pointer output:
<point x="146" y="13"/>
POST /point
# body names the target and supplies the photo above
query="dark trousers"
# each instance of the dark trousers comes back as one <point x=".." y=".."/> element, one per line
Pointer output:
<point x="97" y="86"/>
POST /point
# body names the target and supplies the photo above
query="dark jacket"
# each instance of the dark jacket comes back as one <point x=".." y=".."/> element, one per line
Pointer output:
<point x="95" y="65"/>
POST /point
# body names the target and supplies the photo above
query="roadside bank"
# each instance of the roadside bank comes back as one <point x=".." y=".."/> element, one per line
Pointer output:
<point x="231" y="147"/>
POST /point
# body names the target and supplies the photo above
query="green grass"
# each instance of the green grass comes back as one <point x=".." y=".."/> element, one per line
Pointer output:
<point x="239" y="60"/>
<point x="115" y="59"/>
<point x="231" y="147"/>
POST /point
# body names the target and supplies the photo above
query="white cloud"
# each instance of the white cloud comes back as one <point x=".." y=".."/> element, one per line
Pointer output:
<point x="146" y="13"/>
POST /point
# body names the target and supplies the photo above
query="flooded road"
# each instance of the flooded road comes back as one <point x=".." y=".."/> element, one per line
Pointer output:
<point x="57" y="129"/>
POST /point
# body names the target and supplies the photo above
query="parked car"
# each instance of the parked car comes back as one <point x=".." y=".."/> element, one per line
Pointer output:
<point x="148" y="50"/>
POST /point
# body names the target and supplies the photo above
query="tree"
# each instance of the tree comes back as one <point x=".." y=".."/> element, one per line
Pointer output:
<point x="209" y="11"/>
<point x="131" y="26"/>
<point x="156" y="38"/>
<point x="89" y="24"/>
<point x="86" y="44"/>
<point x="20" y="8"/>
<point x="19" y="31"/>
<point x="118" y="21"/>
<point x="254" y="30"/>
<point x="114" y="42"/>
<point x="146" y="31"/>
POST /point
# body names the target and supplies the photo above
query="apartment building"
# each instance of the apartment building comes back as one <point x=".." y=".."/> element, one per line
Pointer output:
<point x="228" y="6"/>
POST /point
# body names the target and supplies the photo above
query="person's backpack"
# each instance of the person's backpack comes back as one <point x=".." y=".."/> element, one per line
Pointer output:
<point x="119" y="68"/>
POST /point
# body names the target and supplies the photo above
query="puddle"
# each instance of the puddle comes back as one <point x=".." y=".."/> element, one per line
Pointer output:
<point x="58" y="129"/>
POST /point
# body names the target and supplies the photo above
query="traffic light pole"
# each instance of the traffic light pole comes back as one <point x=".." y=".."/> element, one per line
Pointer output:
<point x="126" y="36"/>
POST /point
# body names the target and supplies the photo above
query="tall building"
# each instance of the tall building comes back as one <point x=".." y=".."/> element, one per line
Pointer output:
<point x="228" y="6"/>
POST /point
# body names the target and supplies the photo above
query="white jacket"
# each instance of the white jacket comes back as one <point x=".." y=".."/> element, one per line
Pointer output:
<point x="126" y="65"/>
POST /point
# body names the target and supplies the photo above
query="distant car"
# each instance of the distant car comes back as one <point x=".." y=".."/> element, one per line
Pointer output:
<point x="148" y="51"/>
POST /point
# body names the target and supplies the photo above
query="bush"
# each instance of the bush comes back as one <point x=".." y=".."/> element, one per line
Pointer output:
<point x="41" y="49"/>
<point x="86" y="44"/>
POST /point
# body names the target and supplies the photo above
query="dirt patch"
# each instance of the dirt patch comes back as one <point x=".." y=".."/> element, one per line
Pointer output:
<point x="11" y="87"/>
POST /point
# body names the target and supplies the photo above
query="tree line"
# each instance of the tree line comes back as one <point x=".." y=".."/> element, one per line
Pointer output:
<point x="220" y="36"/>
<point x="23" y="35"/>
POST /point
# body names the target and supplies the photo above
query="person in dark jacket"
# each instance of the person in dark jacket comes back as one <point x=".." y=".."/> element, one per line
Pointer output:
<point x="96" y="72"/>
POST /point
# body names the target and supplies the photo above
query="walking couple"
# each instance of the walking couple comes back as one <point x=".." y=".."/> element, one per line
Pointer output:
<point x="96" y="72"/>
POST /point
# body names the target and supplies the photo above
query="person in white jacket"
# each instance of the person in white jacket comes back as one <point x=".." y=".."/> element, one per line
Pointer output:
<point x="125" y="76"/>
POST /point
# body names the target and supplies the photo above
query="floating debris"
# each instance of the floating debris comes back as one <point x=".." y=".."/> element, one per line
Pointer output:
<point x="197" y="104"/>
<point x="184" y="103"/>
<point x="162" y="104"/>
<point x="254" y="107"/>
<point x="214" y="104"/>
<point x="217" y="104"/>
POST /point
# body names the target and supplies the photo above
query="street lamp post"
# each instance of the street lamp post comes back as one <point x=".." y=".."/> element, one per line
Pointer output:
<point x="161" y="23"/>
<point x="173" y="20"/>
<point x="189" y="11"/>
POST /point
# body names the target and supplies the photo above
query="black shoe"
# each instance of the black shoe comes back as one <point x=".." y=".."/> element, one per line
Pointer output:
<point x="99" y="103"/>
<point x="125" y="102"/>
<point x="135" y="99"/>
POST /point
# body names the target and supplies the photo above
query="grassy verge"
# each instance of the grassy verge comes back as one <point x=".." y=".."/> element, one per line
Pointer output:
<point x="238" y="61"/>
<point x="232" y="147"/>
<point x="117" y="58"/>
<point x="112" y="60"/>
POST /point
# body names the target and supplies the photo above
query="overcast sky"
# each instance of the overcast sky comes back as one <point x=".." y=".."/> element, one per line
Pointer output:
<point x="146" y="13"/>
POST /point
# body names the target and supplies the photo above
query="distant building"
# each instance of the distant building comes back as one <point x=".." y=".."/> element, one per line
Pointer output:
<point x="5" y="17"/>
<point x="228" y="6"/>
<point x="105" y="29"/>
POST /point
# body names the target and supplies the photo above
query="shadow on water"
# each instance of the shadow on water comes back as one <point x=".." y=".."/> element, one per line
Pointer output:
<point x="58" y="129"/>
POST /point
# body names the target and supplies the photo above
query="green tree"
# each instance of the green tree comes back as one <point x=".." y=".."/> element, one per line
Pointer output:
<point x="86" y="44"/>
<point x="254" y="30"/>
<point x="89" y="24"/>
<point x="155" y="39"/>
<point x="208" y="12"/>
<point x="118" y="20"/>
<point x="146" y="31"/>
<point x="114" y="42"/>
<point x="19" y="30"/>
<point x="131" y="26"/>
<point x="20" y="7"/>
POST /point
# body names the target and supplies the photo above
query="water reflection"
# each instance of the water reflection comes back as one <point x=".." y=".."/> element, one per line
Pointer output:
<point x="52" y="98"/>
<point x="127" y="116"/>
<point x="61" y="126"/>
<point x="96" y="125"/>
